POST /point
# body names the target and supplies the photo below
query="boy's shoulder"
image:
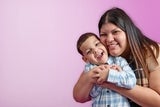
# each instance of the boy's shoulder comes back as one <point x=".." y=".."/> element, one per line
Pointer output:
<point x="89" y="66"/>
<point x="116" y="60"/>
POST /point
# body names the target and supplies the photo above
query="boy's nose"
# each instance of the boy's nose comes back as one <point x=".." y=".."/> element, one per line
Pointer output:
<point x="95" y="51"/>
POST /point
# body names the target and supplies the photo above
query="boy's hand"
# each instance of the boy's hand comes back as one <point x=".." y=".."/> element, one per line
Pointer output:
<point x="116" y="67"/>
<point x="103" y="73"/>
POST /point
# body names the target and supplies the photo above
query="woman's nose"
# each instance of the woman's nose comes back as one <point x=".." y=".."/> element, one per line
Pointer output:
<point x="109" y="38"/>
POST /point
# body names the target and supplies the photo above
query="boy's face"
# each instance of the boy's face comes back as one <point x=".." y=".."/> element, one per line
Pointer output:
<point x="94" y="51"/>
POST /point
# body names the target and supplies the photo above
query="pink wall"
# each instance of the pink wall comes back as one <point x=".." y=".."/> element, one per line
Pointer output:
<point x="39" y="64"/>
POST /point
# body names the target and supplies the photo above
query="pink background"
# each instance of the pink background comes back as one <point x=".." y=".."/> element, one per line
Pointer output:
<point x="39" y="63"/>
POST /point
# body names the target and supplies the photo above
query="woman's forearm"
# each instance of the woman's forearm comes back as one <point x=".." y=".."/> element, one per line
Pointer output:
<point x="143" y="96"/>
<point x="82" y="89"/>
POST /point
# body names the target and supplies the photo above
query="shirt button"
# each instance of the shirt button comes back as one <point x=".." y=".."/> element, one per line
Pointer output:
<point x="107" y="92"/>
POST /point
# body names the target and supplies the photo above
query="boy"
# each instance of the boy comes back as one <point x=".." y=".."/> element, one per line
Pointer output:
<point x="117" y="72"/>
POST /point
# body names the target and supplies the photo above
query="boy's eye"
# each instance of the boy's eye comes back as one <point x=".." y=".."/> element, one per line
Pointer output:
<point x="97" y="44"/>
<point x="88" y="52"/>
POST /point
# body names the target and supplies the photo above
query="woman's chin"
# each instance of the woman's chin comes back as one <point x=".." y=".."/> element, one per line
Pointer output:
<point x="113" y="53"/>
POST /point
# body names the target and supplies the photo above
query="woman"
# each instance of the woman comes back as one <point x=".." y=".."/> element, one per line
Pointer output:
<point x="123" y="38"/>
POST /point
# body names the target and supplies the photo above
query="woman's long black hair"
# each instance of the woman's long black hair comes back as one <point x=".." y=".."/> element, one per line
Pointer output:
<point x="140" y="45"/>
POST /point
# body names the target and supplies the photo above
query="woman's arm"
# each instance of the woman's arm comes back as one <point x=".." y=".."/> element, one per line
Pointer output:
<point x="82" y="88"/>
<point x="146" y="97"/>
<point x="85" y="83"/>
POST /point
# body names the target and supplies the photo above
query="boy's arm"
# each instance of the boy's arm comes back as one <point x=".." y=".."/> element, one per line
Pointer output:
<point x="125" y="78"/>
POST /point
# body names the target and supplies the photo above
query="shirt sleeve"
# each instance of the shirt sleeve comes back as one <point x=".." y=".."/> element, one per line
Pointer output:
<point x="96" y="90"/>
<point x="125" y="78"/>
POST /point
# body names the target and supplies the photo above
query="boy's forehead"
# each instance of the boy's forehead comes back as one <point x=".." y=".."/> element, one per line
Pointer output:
<point x="92" y="38"/>
<point x="89" y="42"/>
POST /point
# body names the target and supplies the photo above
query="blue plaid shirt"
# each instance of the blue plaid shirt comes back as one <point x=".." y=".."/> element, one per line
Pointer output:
<point x="103" y="97"/>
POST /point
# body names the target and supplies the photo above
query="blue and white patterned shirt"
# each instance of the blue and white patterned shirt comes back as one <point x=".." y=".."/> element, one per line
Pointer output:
<point x="103" y="97"/>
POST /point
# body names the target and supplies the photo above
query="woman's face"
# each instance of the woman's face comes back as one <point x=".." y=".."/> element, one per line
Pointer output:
<point x="114" y="39"/>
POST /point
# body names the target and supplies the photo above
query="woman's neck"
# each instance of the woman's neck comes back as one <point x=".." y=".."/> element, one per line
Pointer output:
<point x="127" y="55"/>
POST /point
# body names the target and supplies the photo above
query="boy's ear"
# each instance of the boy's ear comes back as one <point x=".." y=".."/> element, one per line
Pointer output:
<point x="84" y="59"/>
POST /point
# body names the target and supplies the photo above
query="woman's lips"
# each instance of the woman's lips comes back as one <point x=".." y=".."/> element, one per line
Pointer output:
<point x="112" y="46"/>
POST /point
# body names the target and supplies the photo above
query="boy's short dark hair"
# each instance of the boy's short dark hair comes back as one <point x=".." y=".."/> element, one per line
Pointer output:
<point x="83" y="38"/>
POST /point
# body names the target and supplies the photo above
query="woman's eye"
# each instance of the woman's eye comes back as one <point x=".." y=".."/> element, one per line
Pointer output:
<point x="116" y="32"/>
<point x="102" y="35"/>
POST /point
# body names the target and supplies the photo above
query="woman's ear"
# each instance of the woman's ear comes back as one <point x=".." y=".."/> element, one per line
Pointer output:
<point x="84" y="59"/>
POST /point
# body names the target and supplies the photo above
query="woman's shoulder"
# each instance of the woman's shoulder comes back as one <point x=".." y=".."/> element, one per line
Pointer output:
<point x="153" y="62"/>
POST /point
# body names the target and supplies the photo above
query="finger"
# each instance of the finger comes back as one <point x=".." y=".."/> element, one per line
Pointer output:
<point x="97" y="71"/>
<point x="100" y="81"/>
<point x="97" y="75"/>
